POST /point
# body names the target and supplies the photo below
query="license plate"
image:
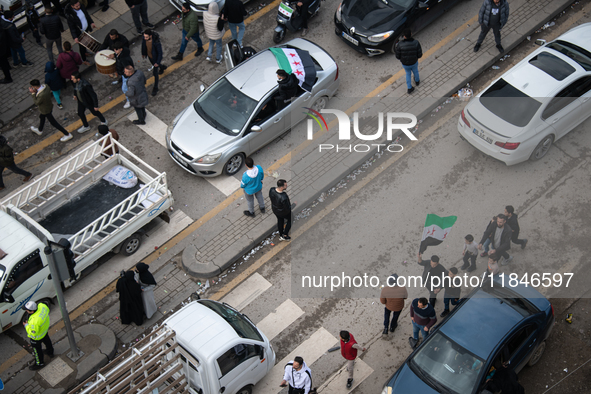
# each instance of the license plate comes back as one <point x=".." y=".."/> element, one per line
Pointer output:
<point x="285" y="10"/>
<point x="484" y="137"/>
<point x="350" y="39"/>
<point x="179" y="159"/>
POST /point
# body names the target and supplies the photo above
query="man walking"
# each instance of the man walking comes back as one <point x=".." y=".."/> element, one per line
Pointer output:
<point x="423" y="318"/>
<point x="87" y="99"/>
<point x="500" y="237"/>
<point x="234" y="12"/>
<point x="123" y="59"/>
<point x="190" y="31"/>
<point x="37" y="327"/>
<point x="252" y="183"/>
<point x="139" y="8"/>
<point x="52" y="28"/>
<point x="452" y="292"/>
<point x="431" y="270"/>
<point x="281" y="207"/>
<point x="298" y="376"/>
<point x="79" y="20"/>
<point x="492" y="15"/>
<point x="512" y="222"/>
<point x="349" y="348"/>
<point x="7" y="161"/>
<point x="409" y="51"/>
<point x="136" y="93"/>
<point x="392" y="296"/>
<point x="42" y="99"/>
<point x="15" y="39"/>
<point x="152" y="49"/>
<point x="32" y="17"/>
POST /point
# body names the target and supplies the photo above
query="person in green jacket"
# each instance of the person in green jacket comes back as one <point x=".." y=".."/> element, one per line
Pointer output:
<point x="7" y="161"/>
<point x="42" y="99"/>
<point x="190" y="30"/>
<point x="37" y="326"/>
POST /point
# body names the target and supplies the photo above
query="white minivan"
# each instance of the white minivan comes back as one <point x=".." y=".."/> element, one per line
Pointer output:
<point x="222" y="351"/>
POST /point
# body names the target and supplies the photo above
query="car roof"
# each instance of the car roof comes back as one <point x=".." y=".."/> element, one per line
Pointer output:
<point x="200" y="330"/>
<point x="580" y="36"/>
<point x="481" y="323"/>
<point x="16" y="240"/>
<point x="532" y="81"/>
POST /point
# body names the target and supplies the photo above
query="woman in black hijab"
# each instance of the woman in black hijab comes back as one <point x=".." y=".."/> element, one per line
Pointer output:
<point x="131" y="307"/>
<point x="148" y="283"/>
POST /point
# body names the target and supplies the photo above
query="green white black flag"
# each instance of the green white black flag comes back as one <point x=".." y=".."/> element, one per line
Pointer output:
<point x="436" y="230"/>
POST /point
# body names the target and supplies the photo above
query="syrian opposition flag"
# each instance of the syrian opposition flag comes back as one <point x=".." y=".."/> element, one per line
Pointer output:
<point x="298" y="62"/>
<point x="436" y="230"/>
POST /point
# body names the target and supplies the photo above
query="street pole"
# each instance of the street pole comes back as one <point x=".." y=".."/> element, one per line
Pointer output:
<point x="57" y="284"/>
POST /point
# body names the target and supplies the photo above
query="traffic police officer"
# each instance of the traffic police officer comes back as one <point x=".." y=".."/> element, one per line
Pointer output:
<point x="37" y="326"/>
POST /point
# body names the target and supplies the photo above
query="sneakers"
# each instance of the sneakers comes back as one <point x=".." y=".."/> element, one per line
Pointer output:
<point x="417" y="83"/>
<point x="199" y="51"/>
<point x="500" y="48"/>
<point x="36" y="367"/>
<point x="483" y="254"/>
<point x="444" y="313"/>
<point x="263" y="210"/>
<point x="284" y="238"/>
<point x="412" y="89"/>
<point x="138" y="122"/>
<point x="304" y="32"/>
<point x="178" y="57"/>
<point x="105" y="123"/>
<point x="524" y="243"/>
<point x="36" y="130"/>
<point x="476" y="47"/>
<point x="83" y="129"/>
<point x="60" y="106"/>
<point x="208" y="59"/>
<point x="28" y="64"/>
<point x="507" y="261"/>
<point x="248" y="213"/>
<point x="66" y="137"/>
<point x="349" y="383"/>
<point x="28" y="178"/>
<point x="218" y="61"/>
<point x="114" y="82"/>
<point x="127" y="105"/>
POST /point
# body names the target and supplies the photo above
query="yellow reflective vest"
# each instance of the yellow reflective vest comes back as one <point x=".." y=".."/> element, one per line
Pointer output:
<point x="38" y="323"/>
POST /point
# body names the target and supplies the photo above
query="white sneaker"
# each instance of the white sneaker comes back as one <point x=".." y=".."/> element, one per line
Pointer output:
<point x="127" y="105"/>
<point x="66" y="137"/>
<point x="36" y="130"/>
<point x="218" y="61"/>
<point x="105" y="123"/>
<point x="83" y="129"/>
<point x="208" y="59"/>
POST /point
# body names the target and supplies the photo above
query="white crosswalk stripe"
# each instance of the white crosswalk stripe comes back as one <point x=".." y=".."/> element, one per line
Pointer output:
<point x="156" y="129"/>
<point x="337" y="383"/>
<point x="247" y="291"/>
<point x="280" y="319"/>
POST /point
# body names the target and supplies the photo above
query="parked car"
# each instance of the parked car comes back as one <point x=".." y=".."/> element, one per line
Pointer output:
<point x="494" y="325"/>
<point x="535" y="103"/>
<point x="237" y="115"/>
<point x="373" y="27"/>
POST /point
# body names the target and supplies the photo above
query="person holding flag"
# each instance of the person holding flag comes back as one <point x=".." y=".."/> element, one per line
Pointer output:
<point x="297" y="62"/>
<point x="431" y="270"/>
<point x="288" y="88"/>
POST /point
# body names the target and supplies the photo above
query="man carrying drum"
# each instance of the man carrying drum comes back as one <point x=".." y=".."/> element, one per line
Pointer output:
<point x="79" y="21"/>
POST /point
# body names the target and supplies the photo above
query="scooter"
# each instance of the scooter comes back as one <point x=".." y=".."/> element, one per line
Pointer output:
<point x="289" y="18"/>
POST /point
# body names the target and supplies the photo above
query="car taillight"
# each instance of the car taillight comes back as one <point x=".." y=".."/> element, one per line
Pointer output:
<point x="464" y="119"/>
<point x="508" y="145"/>
<point x="337" y="76"/>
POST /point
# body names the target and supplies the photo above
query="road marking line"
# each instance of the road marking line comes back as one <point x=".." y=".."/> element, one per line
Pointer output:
<point x="280" y="319"/>
<point x="244" y="294"/>
<point x="154" y="127"/>
<point x="225" y="184"/>
<point x="311" y="350"/>
<point x="337" y="383"/>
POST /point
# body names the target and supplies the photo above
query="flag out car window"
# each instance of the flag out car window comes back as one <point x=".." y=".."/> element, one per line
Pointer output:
<point x="552" y="65"/>
<point x="509" y="103"/>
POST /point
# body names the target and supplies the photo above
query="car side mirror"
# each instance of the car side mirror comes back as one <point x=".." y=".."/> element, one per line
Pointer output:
<point x="540" y="42"/>
<point x="423" y="4"/>
<point x="202" y="88"/>
<point x="256" y="129"/>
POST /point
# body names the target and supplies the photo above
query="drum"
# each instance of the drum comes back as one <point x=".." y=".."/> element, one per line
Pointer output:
<point x="89" y="42"/>
<point x="104" y="65"/>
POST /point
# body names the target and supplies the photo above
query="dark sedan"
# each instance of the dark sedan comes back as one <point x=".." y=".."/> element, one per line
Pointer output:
<point x="494" y="326"/>
<point x="373" y="27"/>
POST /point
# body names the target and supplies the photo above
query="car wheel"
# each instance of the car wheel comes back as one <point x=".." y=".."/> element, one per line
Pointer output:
<point x="320" y="103"/>
<point x="234" y="164"/>
<point x="542" y="148"/>
<point x="537" y="355"/>
<point x="131" y="245"/>
<point x="245" y="390"/>
<point x="278" y="36"/>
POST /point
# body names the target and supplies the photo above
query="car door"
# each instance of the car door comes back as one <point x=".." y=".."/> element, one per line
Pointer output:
<point x="583" y="92"/>
<point x="272" y="124"/>
<point x="563" y="111"/>
<point x="238" y="365"/>
<point x="520" y="345"/>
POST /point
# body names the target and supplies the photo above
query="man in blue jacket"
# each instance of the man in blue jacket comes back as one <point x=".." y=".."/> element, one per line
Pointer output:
<point x="252" y="183"/>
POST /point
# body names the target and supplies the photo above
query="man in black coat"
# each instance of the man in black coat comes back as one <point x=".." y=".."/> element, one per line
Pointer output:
<point x="139" y="8"/>
<point x="281" y="208"/>
<point x="14" y="38"/>
<point x="514" y="224"/>
<point x="4" y="52"/>
<point x="151" y="41"/>
<point x="51" y="27"/>
<point x="33" y="20"/>
<point x="234" y="12"/>
<point x="492" y="15"/>
<point x="431" y="271"/>
<point x="288" y="88"/>
<point x="79" y="20"/>
<point x="87" y="98"/>
<point x="409" y="51"/>
<point x="7" y="161"/>
<point x="500" y="237"/>
<point x="112" y="38"/>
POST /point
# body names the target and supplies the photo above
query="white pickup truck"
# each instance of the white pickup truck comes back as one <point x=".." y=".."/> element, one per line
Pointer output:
<point x="73" y="201"/>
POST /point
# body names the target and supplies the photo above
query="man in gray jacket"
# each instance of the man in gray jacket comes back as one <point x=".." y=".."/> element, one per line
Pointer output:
<point x="492" y="15"/>
<point x="136" y="93"/>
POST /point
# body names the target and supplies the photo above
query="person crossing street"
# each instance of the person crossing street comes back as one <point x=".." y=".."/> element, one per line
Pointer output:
<point x="37" y="327"/>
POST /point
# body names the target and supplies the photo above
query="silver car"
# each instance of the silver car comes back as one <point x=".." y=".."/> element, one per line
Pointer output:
<point x="236" y="115"/>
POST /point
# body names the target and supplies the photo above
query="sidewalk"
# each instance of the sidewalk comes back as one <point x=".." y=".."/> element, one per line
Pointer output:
<point x="16" y="98"/>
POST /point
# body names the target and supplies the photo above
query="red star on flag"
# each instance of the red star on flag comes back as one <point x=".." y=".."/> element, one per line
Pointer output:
<point x="299" y="72"/>
<point x="292" y="54"/>
<point x="296" y="63"/>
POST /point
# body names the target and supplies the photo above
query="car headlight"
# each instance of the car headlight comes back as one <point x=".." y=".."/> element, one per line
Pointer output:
<point x="387" y="390"/>
<point x="209" y="159"/>
<point x="380" y="37"/>
<point x="338" y="13"/>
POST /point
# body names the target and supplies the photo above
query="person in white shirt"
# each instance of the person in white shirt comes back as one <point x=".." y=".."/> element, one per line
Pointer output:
<point x="79" y="20"/>
<point x="470" y="253"/>
<point x="298" y="376"/>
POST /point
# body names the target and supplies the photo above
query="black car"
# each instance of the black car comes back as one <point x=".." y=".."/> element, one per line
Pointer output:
<point x="373" y="27"/>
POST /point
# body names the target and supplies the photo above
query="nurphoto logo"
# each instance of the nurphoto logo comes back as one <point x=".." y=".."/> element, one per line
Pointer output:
<point x="345" y="130"/>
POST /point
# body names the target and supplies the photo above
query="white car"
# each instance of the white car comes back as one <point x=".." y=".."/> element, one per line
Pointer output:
<point x="535" y="103"/>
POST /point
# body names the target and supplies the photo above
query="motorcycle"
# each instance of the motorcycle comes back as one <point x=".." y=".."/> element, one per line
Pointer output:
<point x="289" y="18"/>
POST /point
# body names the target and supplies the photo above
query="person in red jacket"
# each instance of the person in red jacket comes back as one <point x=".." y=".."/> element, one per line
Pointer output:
<point x="349" y="349"/>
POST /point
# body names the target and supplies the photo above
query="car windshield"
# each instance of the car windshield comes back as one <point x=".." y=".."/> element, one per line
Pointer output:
<point x="552" y="65"/>
<point x="446" y="365"/>
<point x="225" y="107"/>
<point x="573" y="51"/>
<point x="240" y="323"/>
<point x="509" y="103"/>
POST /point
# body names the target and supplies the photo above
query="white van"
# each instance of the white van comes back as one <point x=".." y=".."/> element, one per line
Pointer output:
<point x="222" y="351"/>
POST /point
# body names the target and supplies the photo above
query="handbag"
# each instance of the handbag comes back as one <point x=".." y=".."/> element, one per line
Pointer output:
<point x="221" y="24"/>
